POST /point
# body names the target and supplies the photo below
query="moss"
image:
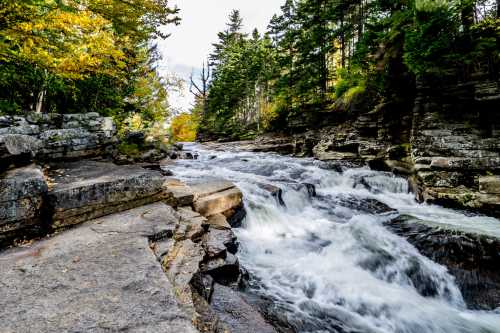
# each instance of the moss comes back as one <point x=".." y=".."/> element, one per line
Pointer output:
<point x="129" y="149"/>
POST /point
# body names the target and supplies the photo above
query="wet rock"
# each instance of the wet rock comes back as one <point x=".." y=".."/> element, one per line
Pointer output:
<point x="365" y="205"/>
<point x="99" y="276"/>
<point x="236" y="313"/>
<point x="472" y="258"/>
<point x="21" y="197"/>
<point x="204" y="285"/>
<point x="88" y="189"/>
<point x="275" y="192"/>
<point x="235" y="216"/>
<point x="224" y="270"/>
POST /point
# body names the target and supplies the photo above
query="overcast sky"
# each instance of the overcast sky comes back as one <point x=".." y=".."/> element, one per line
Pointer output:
<point x="191" y="41"/>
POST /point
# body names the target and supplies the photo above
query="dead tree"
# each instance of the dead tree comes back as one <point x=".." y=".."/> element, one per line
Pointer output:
<point x="201" y="92"/>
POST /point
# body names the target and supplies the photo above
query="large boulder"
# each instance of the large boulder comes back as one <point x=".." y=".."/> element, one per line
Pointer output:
<point x="21" y="197"/>
<point x="101" y="276"/>
<point x="85" y="190"/>
<point x="216" y="197"/>
<point x="17" y="149"/>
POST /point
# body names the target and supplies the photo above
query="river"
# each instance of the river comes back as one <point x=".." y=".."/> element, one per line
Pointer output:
<point x="326" y="262"/>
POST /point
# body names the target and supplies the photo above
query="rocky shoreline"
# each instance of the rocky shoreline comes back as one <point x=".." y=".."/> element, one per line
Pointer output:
<point x="103" y="242"/>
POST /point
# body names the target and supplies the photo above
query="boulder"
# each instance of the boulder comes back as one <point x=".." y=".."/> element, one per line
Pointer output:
<point x="219" y="202"/>
<point x="21" y="198"/>
<point x="88" y="189"/>
<point x="100" y="276"/>
<point x="17" y="149"/>
<point x="236" y="313"/>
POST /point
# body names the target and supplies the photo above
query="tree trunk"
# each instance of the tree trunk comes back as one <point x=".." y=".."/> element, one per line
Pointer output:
<point x="39" y="101"/>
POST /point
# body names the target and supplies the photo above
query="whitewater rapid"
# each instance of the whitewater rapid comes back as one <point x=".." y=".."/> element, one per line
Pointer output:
<point x="326" y="264"/>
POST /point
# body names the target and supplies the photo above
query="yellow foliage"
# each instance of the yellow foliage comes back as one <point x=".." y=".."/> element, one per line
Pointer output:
<point x="72" y="44"/>
<point x="184" y="127"/>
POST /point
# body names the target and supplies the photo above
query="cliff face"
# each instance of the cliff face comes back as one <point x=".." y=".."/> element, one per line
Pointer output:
<point x="448" y="144"/>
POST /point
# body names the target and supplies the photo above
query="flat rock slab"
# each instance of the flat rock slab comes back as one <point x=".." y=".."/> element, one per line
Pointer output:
<point x="87" y="189"/>
<point x="219" y="202"/>
<point x="99" y="277"/>
<point x="205" y="189"/>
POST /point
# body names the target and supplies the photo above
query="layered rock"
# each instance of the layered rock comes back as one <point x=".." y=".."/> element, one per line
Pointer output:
<point x="53" y="137"/>
<point x="22" y="191"/>
<point x="84" y="190"/>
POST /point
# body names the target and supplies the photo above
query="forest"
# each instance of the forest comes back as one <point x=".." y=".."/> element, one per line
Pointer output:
<point x="81" y="56"/>
<point x="322" y="56"/>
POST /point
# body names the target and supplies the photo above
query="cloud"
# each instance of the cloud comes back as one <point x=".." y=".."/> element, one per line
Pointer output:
<point x="191" y="41"/>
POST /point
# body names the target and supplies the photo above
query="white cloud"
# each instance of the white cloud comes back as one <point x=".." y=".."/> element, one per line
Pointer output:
<point x="191" y="42"/>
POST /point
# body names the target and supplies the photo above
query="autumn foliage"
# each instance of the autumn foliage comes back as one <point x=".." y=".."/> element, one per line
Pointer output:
<point x="183" y="128"/>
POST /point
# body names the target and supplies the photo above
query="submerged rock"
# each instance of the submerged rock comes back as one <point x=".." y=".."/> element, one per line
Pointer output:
<point x="473" y="259"/>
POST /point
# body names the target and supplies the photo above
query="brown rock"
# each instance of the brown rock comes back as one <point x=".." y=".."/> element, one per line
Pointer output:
<point x="219" y="202"/>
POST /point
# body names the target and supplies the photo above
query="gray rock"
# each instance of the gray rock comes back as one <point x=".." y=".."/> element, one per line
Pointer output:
<point x="21" y="196"/>
<point x="88" y="189"/>
<point x="99" y="277"/>
<point x="18" y="144"/>
<point x="236" y="313"/>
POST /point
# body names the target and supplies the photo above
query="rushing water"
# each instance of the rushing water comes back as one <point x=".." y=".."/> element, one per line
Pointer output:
<point x="327" y="263"/>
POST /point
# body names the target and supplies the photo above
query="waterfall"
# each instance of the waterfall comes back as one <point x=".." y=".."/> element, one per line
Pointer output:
<point x="324" y="259"/>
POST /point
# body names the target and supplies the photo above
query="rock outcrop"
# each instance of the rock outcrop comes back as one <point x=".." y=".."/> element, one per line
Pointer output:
<point x="101" y="276"/>
<point x="84" y="190"/>
<point x="470" y="256"/>
<point x="22" y="192"/>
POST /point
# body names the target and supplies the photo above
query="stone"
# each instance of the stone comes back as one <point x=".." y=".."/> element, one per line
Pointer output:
<point x="471" y="257"/>
<point x="236" y="313"/>
<point x="219" y="202"/>
<point x="274" y="191"/>
<point x="88" y="189"/>
<point x="218" y="221"/>
<point x="205" y="189"/>
<point x="23" y="129"/>
<point x="224" y="270"/>
<point x="181" y="264"/>
<point x="489" y="184"/>
<point x="21" y="197"/>
<point x="101" y="276"/>
<point x="18" y="144"/>
<point x="181" y="194"/>
<point x="216" y="242"/>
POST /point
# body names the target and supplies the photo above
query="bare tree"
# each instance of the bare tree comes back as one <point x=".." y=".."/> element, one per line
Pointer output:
<point x="200" y="90"/>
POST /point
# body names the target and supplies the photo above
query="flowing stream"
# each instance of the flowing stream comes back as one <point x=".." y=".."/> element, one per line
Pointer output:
<point x="326" y="263"/>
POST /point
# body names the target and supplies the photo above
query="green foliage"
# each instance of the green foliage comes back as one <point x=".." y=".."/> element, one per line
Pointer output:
<point x="83" y="56"/>
<point x="323" y="54"/>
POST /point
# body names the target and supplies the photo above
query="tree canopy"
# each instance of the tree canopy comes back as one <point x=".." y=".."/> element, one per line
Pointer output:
<point x="318" y="55"/>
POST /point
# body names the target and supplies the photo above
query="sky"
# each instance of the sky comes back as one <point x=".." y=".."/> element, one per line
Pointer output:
<point x="191" y="42"/>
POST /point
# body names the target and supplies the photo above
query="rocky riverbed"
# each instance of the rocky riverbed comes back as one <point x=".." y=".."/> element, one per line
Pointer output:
<point x="240" y="239"/>
<point x="349" y="249"/>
